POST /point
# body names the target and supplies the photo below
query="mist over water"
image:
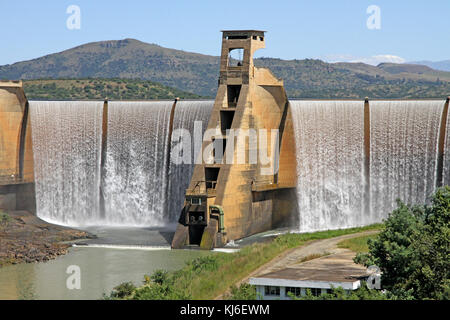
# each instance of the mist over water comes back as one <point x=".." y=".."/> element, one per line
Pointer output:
<point x="66" y="144"/>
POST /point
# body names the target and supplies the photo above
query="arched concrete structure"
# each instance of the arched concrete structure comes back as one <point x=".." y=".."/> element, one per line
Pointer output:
<point x="16" y="154"/>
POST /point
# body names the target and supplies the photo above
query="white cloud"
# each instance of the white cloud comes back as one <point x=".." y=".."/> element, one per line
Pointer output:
<point x="372" y="60"/>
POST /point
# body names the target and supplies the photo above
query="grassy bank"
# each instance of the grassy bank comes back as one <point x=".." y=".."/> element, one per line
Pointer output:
<point x="358" y="244"/>
<point x="209" y="276"/>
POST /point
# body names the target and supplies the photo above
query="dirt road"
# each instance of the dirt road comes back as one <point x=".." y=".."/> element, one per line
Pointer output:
<point x="295" y="255"/>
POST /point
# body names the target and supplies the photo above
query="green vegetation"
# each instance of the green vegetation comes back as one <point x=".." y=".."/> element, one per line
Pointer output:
<point x="413" y="251"/>
<point x="358" y="244"/>
<point x="362" y="293"/>
<point x="197" y="73"/>
<point x="244" y="292"/>
<point x="99" y="89"/>
<point x="209" y="276"/>
<point x="4" y="219"/>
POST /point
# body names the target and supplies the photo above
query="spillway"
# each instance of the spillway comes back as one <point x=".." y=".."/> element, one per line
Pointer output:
<point x="329" y="140"/>
<point x="141" y="187"/>
<point x="334" y="189"/>
<point x="403" y="153"/>
<point x="135" y="169"/>
<point x="66" y="143"/>
<point x="138" y="187"/>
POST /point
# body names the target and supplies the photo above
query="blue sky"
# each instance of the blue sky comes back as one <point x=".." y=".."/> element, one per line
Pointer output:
<point x="333" y="30"/>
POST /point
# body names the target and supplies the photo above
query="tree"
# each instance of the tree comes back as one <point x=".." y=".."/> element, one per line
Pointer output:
<point x="412" y="251"/>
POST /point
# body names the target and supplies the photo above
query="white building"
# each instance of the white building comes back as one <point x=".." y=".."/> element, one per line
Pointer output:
<point x="319" y="275"/>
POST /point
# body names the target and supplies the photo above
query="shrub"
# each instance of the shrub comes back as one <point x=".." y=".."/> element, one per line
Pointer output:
<point x="4" y="219"/>
<point x="123" y="290"/>
<point x="413" y="251"/>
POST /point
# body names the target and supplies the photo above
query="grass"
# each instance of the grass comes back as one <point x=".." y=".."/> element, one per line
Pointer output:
<point x="4" y="218"/>
<point x="209" y="276"/>
<point x="358" y="244"/>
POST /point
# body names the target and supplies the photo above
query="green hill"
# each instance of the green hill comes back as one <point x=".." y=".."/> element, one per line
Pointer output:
<point x="99" y="89"/>
<point x="197" y="73"/>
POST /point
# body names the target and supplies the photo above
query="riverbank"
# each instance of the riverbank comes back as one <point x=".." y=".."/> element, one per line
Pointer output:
<point x="211" y="276"/>
<point x="24" y="238"/>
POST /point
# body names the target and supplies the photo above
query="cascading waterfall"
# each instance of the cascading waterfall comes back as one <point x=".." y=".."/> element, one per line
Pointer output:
<point x="330" y="159"/>
<point x="66" y="144"/>
<point x="329" y="139"/>
<point x="403" y="153"/>
<point x="135" y="169"/>
<point x="141" y="188"/>
<point x="186" y="114"/>
<point x="67" y="150"/>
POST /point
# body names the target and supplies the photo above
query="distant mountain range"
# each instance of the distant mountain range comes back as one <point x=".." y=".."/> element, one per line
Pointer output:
<point x="443" y="65"/>
<point x="198" y="73"/>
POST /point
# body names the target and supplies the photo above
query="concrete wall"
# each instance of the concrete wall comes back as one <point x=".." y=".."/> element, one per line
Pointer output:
<point x="16" y="153"/>
<point x="252" y="201"/>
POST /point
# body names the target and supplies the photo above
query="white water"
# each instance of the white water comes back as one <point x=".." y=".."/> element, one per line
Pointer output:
<point x="67" y="150"/>
<point x="186" y="113"/>
<point x="331" y="180"/>
<point x="66" y="145"/>
<point x="329" y="139"/>
<point x="404" y="145"/>
<point x="135" y="169"/>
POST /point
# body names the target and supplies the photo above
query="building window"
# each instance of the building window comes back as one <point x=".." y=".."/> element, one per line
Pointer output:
<point x="294" y="291"/>
<point x="197" y="201"/>
<point x="316" y="291"/>
<point x="271" y="291"/>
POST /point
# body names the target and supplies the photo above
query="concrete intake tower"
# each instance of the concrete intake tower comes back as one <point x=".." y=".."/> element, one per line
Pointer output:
<point x="228" y="197"/>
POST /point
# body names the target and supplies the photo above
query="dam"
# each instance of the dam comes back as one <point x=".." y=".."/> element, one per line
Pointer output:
<point x="318" y="164"/>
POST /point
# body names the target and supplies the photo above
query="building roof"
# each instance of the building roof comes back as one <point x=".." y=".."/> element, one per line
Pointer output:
<point x="242" y="31"/>
<point x="336" y="270"/>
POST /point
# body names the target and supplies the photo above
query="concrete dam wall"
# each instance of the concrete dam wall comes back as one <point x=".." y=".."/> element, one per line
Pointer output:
<point x="318" y="164"/>
<point x="329" y="140"/>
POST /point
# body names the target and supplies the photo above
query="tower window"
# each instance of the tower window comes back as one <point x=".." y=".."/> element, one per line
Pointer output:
<point x="226" y="120"/>
<point x="235" y="57"/>
<point x="233" y="92"/>
<point x="211" y="175"/>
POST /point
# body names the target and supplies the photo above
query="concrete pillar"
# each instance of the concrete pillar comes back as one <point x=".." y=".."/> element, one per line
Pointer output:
<point x="441" y="145"/>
